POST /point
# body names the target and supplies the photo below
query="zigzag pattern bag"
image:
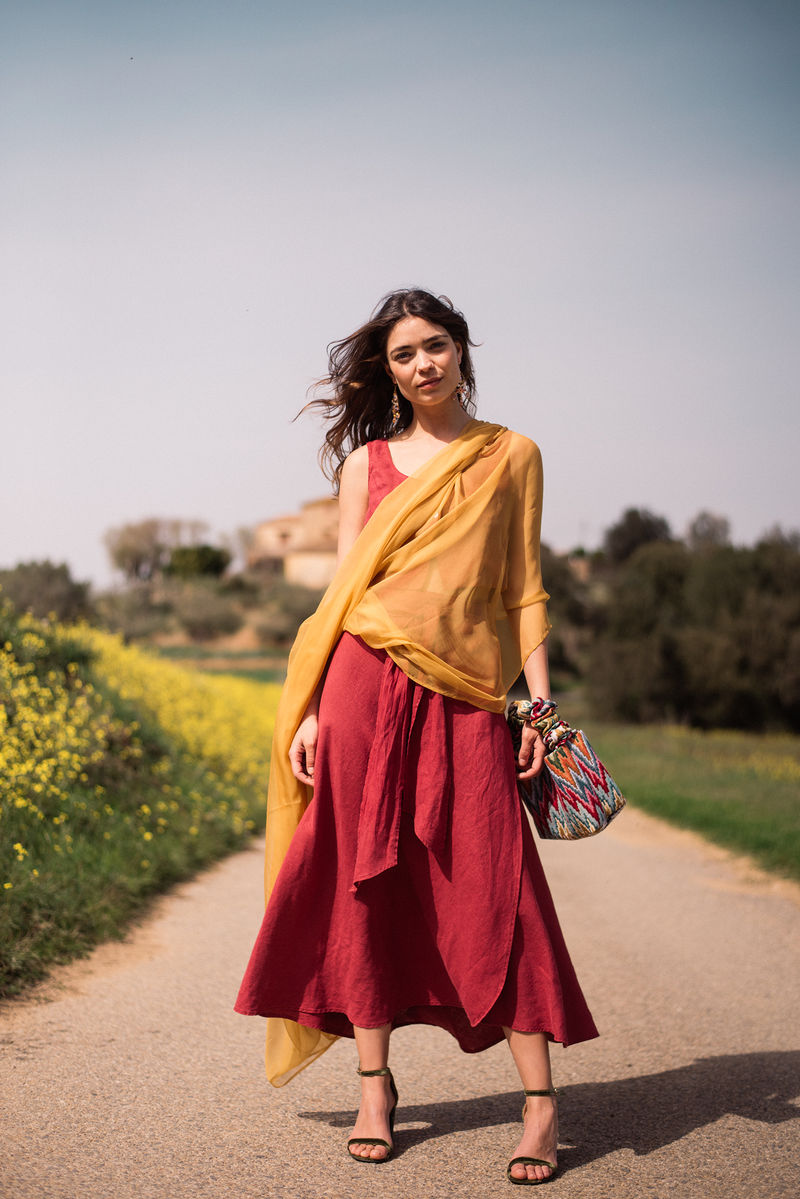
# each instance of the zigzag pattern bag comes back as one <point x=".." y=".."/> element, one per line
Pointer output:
<point x="574" y="796"/>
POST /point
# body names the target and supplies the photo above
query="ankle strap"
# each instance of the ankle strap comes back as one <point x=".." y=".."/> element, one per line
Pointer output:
<point x="555" y="1091"/>
<point x="372" y="1073"/>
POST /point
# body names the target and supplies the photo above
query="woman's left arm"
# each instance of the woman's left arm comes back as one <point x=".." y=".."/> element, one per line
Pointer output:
<point x="524" y="596"/>
<point x="532" y="748"/>
<point x="537" y="673"/>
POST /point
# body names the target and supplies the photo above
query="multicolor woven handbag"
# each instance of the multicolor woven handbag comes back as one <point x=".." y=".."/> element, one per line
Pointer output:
<point x="574" y="796"/>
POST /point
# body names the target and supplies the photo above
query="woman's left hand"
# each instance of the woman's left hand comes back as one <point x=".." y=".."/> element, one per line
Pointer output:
<point x="531" y="753"/>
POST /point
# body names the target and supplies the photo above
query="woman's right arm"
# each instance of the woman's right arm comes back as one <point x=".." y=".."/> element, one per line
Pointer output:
<point x="303" y="749"/>
<point x="353" y="500"/>
<point x="353" y="504"/>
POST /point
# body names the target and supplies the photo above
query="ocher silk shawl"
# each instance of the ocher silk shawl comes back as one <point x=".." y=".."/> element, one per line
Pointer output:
<point x="446" y="578"/>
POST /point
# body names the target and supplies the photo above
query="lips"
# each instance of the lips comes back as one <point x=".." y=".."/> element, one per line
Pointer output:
<point x="429" y="384"/>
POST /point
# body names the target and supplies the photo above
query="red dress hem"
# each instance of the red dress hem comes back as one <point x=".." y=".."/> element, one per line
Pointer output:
<point x="470" y="1038"/>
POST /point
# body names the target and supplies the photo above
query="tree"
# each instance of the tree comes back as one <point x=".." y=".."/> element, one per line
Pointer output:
<point x="636" y="527"/>
<point x="142" y="551"/>
<point x="777" y="536"/>
<point x="42" y="588"/>
<point x="568" y="613"/>
<point x="708" y="532"/>
<point x="710" y="637"/>
<point x="189" y="561"/>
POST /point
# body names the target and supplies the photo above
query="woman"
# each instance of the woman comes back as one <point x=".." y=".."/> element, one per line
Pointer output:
<point x="410" y="890"/>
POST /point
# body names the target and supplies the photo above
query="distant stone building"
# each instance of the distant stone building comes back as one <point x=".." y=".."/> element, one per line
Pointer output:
<point x="301" y="546"/>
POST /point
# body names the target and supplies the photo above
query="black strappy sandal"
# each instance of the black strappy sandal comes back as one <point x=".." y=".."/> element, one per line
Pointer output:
<point x="376" y="1161"/>
<point x="532" y="1161"/>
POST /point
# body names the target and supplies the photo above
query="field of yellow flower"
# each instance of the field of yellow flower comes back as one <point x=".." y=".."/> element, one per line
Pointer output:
<point x="119" y="773"/>
<point x="226" y="722"/>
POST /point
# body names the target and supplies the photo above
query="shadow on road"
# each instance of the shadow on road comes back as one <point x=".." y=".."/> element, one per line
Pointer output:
<point x="641" y="1114"/>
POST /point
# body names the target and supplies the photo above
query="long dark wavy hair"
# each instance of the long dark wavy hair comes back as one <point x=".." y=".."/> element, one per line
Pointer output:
<point x="359" y="403"/>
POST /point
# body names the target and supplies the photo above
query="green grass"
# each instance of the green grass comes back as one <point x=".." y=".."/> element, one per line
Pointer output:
<point x="177" y="652"/>
<point x="236" y="661"/>
<point x="258" y="676"/>
<point x="81" y="882"/>
<point x="740" y="790"/>
<point x="91" y="891"/>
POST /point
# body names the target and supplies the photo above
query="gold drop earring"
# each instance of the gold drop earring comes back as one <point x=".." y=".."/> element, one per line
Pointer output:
<point x="462" y="392"/>
<point x="395" y="409"/>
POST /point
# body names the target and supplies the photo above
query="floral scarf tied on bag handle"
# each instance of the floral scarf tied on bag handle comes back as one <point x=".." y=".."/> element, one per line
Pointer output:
<point x="574" y="796"/>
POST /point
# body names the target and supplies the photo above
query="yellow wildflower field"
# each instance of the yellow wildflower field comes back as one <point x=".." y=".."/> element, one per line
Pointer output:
<point x="225" y="721"/>
<point x="119" y="773"/>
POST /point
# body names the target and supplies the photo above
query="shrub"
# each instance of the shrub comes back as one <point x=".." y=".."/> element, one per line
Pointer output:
<point x="245" y="588"/>
<point x="134" y="613"/>
<point x="189" y="561"/>
<point x="286" y="606"/>
<point x="42" y="588"/>
<point x="204" y="613"/>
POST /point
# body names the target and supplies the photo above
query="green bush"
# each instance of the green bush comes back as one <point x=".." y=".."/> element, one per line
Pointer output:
<point x="285" y="607"/>
<point x="189" y="561"/>
<point x="135" y="613"/>
<point x="44" y="589"/>
<point x="710" y="637"/>
<point x="203" y="612"/>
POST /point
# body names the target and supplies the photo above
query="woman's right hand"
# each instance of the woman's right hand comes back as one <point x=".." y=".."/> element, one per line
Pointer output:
<point x="303" y="749"/>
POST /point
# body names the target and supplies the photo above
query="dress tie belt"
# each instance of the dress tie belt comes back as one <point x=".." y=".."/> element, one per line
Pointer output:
<point x="409" y="770"/>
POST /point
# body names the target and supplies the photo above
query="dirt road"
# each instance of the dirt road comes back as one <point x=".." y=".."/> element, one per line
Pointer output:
<point x="136" y="1079"/>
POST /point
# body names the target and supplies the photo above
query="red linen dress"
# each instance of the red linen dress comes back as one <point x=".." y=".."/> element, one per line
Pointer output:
<point x="412" y="892"/>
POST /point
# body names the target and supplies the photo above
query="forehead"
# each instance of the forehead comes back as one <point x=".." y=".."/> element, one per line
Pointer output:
<point x="412" y="330"/>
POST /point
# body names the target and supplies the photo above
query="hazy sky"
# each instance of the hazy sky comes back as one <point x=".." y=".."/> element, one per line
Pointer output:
<point x="198" y="196"/>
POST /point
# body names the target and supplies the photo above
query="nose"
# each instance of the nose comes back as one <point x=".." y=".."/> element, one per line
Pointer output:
<point x="424" y="361"/>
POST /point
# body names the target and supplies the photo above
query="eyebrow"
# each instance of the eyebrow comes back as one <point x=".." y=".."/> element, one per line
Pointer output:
<point x="436" y="337"/>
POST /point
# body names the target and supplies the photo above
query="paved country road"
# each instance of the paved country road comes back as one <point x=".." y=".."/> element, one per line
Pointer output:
<point x="135" y="1079"/>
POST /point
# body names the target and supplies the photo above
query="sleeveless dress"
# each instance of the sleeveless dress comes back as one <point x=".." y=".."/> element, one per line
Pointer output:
<point x="461" y="932"/>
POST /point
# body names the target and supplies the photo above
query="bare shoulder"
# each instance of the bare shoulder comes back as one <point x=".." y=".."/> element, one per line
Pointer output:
<point x="355" y="474"/>
<point x="353" y="499"/>
<point x="356" y="464"/>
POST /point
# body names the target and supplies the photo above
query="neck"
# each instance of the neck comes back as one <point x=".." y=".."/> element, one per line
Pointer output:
<point x="443" y="423"/>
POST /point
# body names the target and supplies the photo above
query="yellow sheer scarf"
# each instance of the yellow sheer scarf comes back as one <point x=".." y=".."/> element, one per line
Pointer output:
<point x="446" y="578"/>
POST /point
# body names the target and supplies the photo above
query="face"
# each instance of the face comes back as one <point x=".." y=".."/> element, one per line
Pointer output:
<point x="424" y="361"/>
